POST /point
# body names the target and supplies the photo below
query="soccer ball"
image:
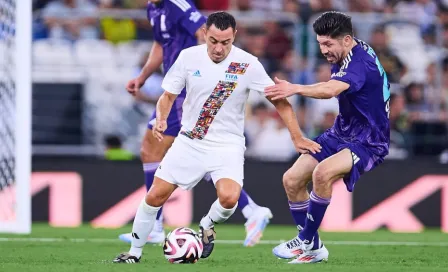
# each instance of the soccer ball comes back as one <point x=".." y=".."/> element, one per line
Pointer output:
<point x="182" y="245"/>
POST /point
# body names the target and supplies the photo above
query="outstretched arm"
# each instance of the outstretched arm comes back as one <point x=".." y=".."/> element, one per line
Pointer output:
<point x="163" y="108"/>
<point x="323" y="90"/>
<point x="302" y="144"/>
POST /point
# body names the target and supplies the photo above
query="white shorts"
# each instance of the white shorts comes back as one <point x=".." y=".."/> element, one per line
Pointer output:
<point x="185" y="165"/>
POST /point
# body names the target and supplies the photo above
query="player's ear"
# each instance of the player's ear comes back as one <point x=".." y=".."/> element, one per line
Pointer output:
<point x="348" y="40"/>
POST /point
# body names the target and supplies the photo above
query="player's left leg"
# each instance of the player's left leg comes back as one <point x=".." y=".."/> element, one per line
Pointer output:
<point x="325" y="174"/>
<point x="228" y="192"/>
<point x="257" y="216"/>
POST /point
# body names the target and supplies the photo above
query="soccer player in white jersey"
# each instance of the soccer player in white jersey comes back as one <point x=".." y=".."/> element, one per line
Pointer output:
<point x="218" y="77"/>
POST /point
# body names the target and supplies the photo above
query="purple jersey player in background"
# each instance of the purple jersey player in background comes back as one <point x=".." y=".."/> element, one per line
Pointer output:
<point x="357" y="142"/>
<point x="177" y="25"/>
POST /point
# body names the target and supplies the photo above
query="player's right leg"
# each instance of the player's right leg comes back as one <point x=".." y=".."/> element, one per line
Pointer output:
<point x="257" y="217"/>
<point x="145" y="218"/>
<point x="228" y="192"/>
<point x="152" y="152"/>
<point x="295" y="182"/>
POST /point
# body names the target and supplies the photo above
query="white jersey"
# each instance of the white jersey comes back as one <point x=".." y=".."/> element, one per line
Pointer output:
<point x="214" y="108"/>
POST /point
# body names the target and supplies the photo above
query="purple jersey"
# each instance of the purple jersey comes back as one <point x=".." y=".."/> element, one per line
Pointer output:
<point x="174" y="23"/>
<point x="363" y="108"/>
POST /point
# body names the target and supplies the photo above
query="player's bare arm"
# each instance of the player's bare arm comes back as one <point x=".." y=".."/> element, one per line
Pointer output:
<point x="302" y="144"/>
<point x="163" y="108"/>
<point x="154" y="61"/>
<point x="323" y="90"/>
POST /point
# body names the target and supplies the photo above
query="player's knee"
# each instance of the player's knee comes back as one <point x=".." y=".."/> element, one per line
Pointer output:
<point x="156" y="199"/>
<point x="321" y="177"/>
<point x="228" y="200"/>
<point x="292" y="184"/>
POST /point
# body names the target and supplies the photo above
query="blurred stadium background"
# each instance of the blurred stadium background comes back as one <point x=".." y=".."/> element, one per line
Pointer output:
<point x="84" y="52"/>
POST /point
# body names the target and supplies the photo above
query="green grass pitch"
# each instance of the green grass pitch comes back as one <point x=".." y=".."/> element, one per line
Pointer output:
<point x="87" y="249"/>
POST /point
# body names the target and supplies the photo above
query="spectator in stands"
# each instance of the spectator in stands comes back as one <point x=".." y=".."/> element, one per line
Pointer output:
<point x="326" y="122"/>
<point x="417" y="105"/>
<point x="71" y="19"/>
<point x="278" y="43"/>
<point x="114" y="150"/>
<point x="434" y="93"/>
<point x="292" y="6"/>
<point x="363" y="6"/>
<point x="398" y="126"/>
<point x="293" y="67"/>
<point x="256" y="44"/>
<point x="273" y="142"/>
<point x="116" y="30"/>
<point x="392" y="65"/>
<point x="258" y="120"/>
<point x="243" y="5"/>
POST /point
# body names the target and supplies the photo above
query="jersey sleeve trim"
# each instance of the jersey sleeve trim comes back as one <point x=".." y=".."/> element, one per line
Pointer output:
<point x="182" y="4"/>
<point x="170" y="88"/>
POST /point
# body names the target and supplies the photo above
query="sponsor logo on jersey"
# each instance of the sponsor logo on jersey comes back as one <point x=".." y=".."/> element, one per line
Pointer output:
<point x="232" y="78"/>
<point x="197" y="74"/>
<point x="339" y="74"/>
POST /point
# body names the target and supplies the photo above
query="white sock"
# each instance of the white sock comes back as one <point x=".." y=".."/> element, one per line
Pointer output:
<point x="217" y="214"/>
<point x="250" y="209"/>
<point x="247" y="211"/>
<point x="252" y="204"/>
<point x="143" y="224"/>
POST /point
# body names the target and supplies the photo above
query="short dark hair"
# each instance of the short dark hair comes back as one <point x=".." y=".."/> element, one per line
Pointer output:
<point x="113" y="141"/>
<point x="333" y="24"/>
<point x="222" y="20"/>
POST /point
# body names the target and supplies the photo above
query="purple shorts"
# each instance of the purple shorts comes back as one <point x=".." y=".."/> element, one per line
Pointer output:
<point x="174" y="118"/>
<point x="363" y="159"/>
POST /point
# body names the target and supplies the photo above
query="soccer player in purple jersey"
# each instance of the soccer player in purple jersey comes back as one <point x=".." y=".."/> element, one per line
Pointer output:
<point x="177" y="25"/>
<point x="357" y="142"/>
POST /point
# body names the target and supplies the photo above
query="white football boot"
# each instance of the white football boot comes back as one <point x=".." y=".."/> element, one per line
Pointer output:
<point x="255" y="225"/>
<point x="312" y="256"/>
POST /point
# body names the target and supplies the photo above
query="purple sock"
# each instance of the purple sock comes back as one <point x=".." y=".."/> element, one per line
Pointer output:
<point x="298" y="212"/>
<point x="150" y="170"/>
<point x="316" y="211"/>
<point x="243" y="201"/>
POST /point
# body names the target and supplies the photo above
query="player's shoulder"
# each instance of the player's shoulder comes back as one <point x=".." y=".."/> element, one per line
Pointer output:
<point x="363" y="53"/>
<point x="183" y="5"/>
<point x="241" y="55"/>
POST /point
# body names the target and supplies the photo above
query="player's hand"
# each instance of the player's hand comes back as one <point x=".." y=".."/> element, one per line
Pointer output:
<point x="305" y="146"/>
<point x="134" y="85"/>
<point x="158" y="129"/>
<point x="281" y="89"/>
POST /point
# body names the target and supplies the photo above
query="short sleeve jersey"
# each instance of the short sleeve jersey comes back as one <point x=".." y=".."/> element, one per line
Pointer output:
<point x="214" y="108"/>
<point x="364" y="107"/>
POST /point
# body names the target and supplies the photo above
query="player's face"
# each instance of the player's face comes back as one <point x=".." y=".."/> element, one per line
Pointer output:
<point x="219" y="42"/>
<point x="334" y="50"/>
